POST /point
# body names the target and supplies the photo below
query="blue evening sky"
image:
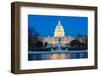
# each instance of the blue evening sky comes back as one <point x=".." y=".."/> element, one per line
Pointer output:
<point x="45" y="24"/>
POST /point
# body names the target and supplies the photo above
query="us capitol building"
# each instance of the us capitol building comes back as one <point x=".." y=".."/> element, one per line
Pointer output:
<point x="58" y="33"/>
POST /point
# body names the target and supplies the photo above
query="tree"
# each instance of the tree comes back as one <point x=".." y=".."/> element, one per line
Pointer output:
<point x="32" y="37"/>
<point x="75" y="43"/>
<point x="85" y="44"/>
<point x="32" y="32"/>
<point x="46" y="43"/>
<point x="39" y="44"/>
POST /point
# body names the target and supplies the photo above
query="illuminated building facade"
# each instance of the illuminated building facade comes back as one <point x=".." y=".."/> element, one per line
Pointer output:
<point x="58" y="33"/>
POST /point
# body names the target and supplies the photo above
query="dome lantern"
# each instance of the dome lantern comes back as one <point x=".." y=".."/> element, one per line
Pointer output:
<point x="59" y="31"/>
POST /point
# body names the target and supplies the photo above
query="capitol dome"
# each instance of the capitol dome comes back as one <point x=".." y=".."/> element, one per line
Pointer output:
<point x="59" y="31"/>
